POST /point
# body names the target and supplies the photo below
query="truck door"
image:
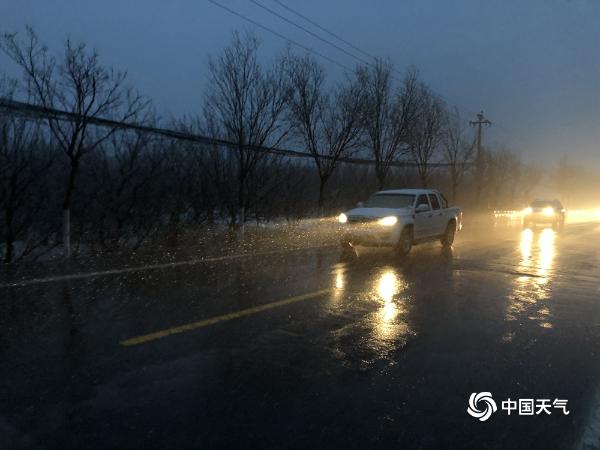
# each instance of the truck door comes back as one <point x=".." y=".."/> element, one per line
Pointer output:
<point x="438" y="222"/>
<point x="423" y="219"/>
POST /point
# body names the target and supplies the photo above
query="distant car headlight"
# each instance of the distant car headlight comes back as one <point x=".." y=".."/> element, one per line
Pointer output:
<point x="548" y="211"/>
<point x="343" y="218"/>
<point x="528" y="210"/>
<point x="388" y="221"/>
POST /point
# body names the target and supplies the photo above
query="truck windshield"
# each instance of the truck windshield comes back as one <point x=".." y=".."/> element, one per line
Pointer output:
<point x="390" y="201"/>
<point x="541" y="204"/>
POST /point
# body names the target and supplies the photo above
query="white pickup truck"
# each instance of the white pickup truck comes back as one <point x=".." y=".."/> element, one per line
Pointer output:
<point x="400" y="218"/>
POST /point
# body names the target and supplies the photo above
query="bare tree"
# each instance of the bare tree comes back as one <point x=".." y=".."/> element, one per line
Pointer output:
<point x="531" y="176"/>
<point x="388" y="116"/>
<point x="245" y="104"/>
<point x="218" y="167"/>
<point x="329" y="125"/>
<point x="78" y="84"/>
<point x="573" y="181"/>
<point x="123" y="189"/>
<point x="503" y="169"/>
<point x="509" y="181"/>
<point x="25" y="158"/>
<point x="458" y="152"/>
<point x="427" y="131"/>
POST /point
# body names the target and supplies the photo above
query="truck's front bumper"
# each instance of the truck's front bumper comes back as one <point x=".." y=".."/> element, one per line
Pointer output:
<point x="370" y="235"/>
<point x="541" y="218"/>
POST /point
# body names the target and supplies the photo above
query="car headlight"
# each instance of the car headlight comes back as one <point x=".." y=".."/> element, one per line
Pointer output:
<point x="528" y="210"/>
<point x="388" y="221"/>
<point x="343" y="218"/>
<point x="548" y="211"/>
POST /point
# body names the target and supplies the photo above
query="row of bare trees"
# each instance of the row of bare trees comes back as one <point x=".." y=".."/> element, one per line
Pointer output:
<point x="117" y="187"/>
<point x="79" y="84"/>
<point x="373" y="113"/>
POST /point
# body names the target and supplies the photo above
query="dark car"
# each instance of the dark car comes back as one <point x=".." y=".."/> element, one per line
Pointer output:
<point x="544" y="211"/>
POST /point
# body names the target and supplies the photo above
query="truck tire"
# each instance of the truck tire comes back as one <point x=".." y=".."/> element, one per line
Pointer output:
<point x="448" y="239"/>
<point x="405" y="242"/>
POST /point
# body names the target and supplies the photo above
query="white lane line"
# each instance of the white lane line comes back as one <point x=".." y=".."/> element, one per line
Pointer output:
<point x="189" y="262"/>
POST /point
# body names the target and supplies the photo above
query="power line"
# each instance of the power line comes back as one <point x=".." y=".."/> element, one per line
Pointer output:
<point x="349" y="44"/>
<point x="235" y="13"/>
<point x="293" y="11"/>
<point x="291" y="41"/>
<point x="40" y="112"/>
<point x="467" y="111"/>
<point x="291" y="22"/>
<point x="324" y="30"/>
<point x="319" y="37"/>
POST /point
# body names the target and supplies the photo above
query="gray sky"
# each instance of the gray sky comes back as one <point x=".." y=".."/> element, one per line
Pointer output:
<point x="532" y="66"/>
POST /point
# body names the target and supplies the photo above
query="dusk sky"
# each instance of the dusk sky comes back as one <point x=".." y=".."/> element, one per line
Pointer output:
<point x="532" y="66"/>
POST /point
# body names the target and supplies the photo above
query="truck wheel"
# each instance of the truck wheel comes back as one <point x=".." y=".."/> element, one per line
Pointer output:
<point x="448" y="239"/>
<point x="405" y="242"/>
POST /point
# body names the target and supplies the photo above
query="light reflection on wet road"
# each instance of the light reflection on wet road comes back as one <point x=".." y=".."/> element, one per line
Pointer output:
<point x="373" y="352"/>
<point x="534" y="287"/>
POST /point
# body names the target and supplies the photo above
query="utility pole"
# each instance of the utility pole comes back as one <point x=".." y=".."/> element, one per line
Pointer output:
<point x="479" y="168"/>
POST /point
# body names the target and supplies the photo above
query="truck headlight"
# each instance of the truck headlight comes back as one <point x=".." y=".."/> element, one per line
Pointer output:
<point x="548" y="211"/>
<point x="528" y="210"/>
<point x="388" y="221"/>
<point x="343" y="218"/>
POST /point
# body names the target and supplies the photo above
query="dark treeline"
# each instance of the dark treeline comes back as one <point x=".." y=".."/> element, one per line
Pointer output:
<point x="72" y="184"/>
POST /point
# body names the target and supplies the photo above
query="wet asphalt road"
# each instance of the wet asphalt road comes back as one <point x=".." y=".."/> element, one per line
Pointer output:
<point x="300" y="349"/>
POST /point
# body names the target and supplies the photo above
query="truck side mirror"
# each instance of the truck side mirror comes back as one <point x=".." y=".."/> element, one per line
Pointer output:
<point x="422" y="207"/>
<point x="360" y="204"/>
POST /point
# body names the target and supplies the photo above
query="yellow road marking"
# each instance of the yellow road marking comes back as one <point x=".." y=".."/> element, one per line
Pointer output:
<point x="225" y="317"/>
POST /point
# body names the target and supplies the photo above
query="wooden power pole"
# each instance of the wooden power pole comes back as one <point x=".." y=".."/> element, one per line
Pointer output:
<point x="479" y="166"/>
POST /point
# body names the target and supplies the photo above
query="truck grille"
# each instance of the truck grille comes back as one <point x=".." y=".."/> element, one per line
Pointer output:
<point x="362" y="219"/>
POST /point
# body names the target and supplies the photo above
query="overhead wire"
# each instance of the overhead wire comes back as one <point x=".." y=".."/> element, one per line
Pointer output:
<point x="41" y="112"/>
<point x="315" y="35"/>
<point x="285" y="38"/>
<point x="467" y="111"/>
<point x="302" y="16"/>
